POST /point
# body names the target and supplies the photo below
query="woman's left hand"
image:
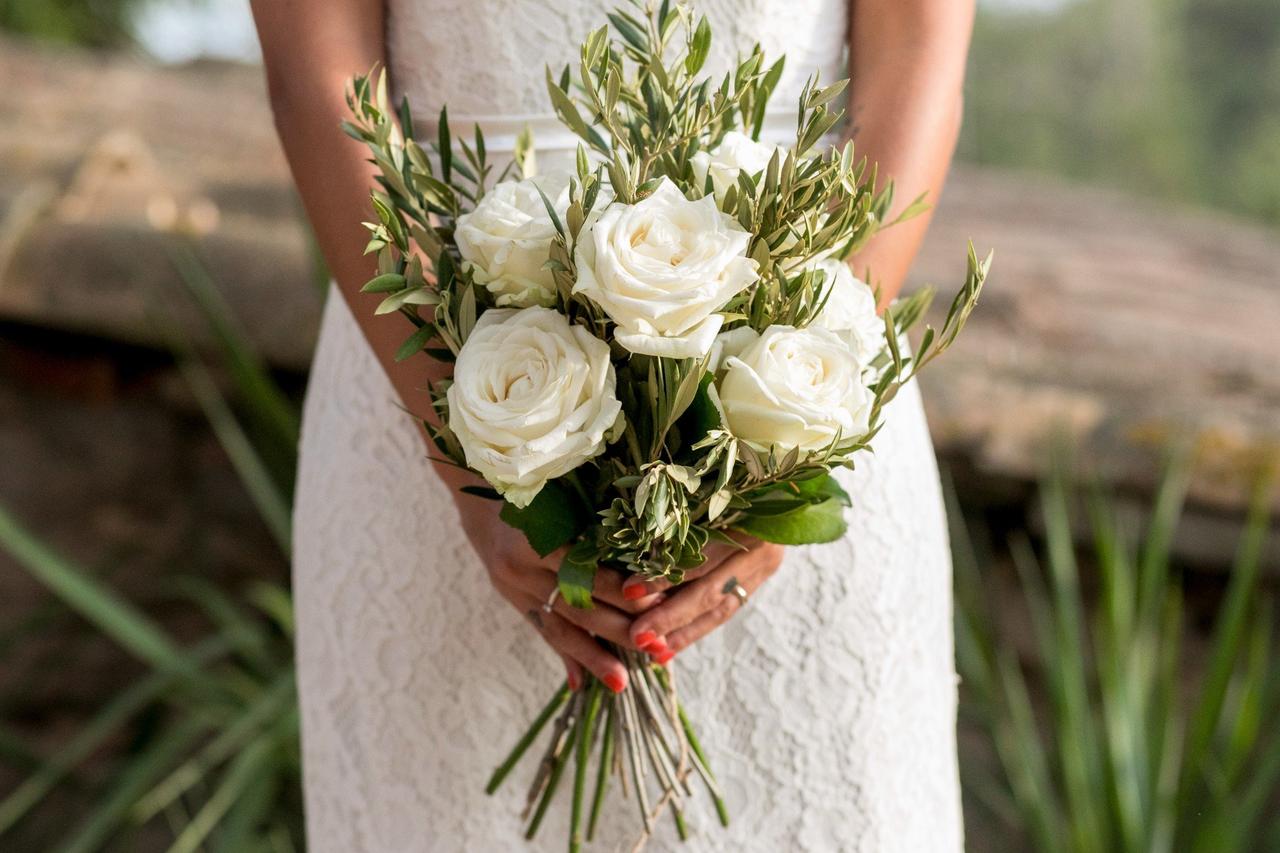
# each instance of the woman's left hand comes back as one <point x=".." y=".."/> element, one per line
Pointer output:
<point x="706" y="599"/>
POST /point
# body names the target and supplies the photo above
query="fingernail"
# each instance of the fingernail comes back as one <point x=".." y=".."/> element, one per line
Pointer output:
<point x="658" y="646"/>
<point x="665" y="657"/>
<point x="615" y="682"/>
<point x="574" y="682"/>
<point x="645" y="638"/>
<point x="633" y="591"/>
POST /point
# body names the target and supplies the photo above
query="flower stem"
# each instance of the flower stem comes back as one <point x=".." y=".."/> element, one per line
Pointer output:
<point x="681" y="829"/>
<point x="606" y="759"/>
<point x="560" y="760"/>
<point x="524" y="743"/>
<point x="700" y="759"/>
<point x="585" y="728"/>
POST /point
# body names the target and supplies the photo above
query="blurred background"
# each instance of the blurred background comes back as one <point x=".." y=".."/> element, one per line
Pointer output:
<point x="1106" y="424"/>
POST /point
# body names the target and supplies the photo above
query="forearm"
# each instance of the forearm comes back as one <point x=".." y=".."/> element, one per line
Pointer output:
<point x="310" y="53"/>
<point x="906" y="67"/>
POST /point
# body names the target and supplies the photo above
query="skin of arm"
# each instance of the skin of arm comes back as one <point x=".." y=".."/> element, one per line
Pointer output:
<point x="907" y="69"/>
<point x="906" y="75"/>
<point x="310" y="50"/>
<point x="907" y="61"/>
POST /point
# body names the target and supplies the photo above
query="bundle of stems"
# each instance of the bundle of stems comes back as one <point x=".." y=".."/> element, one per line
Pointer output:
<point x="640" y="735"/>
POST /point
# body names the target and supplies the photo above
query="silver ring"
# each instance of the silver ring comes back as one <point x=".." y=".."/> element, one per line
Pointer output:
<point x="733" y="586"/>
<point x="551" y="600"/>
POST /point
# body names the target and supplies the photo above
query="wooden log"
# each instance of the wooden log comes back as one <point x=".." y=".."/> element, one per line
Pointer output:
<point x="1121" y="322"/>
<point x="1127" y="324"/>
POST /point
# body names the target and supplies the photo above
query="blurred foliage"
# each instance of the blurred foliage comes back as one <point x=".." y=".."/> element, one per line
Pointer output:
<point x="93" y="23"/>
<point x="1178" y="99"/>
<point x="202" y="750"/>
<point x="1124" y="737"/>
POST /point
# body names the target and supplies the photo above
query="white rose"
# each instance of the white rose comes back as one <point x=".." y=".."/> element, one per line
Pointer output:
<point x="532" y="398"/>
<point x="850" y="311"/>
<point x="662" y="268"/>
<point x="795" y="388"/>
<point x="736" y="153"/>
<point x="506" y="240"/>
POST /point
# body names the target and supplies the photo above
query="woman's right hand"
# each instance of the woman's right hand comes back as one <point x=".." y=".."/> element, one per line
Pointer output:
<point x="528" y="582"/>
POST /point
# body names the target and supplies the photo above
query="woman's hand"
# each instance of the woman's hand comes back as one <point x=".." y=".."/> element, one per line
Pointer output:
<point x="529" y="581"/>
<point x="705" y="600"/>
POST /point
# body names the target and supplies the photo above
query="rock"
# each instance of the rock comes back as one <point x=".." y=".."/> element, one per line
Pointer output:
<point x="1121" y="323"/>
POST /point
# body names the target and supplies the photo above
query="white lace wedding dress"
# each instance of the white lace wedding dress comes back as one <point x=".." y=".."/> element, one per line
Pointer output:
<point x="827" y="705"/>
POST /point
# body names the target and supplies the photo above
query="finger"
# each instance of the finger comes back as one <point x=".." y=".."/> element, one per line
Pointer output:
<point x="708" y="594"/>
<point x="684" y="637"/>
<point x="716" y="553"/>
<point x="601" y="620"/>
<point x="572" y="672"/>
<point x="610" y="587"/>
<point x="574" y="646"/>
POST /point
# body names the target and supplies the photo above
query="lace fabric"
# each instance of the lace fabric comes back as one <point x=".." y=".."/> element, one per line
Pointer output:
<point x="827" y="706"/>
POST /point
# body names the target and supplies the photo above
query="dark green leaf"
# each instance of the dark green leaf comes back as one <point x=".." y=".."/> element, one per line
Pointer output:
<point x="486" y="492"/>
<point x="825" y="486"/>
<point x="552" y="519"/>
<point x="386" y="283"/>
<point x="705" y="413"/>
<point x="577" y="575"/>
<point x="815" y="523"/>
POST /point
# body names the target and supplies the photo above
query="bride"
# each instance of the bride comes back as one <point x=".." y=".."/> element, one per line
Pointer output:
<point x="826" y="699"/>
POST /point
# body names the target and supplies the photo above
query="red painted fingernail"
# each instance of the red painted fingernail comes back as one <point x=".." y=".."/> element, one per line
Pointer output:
<point x="574" y="682"/>
<point x="665" y="657"/>
<point x="646" y="638"/>
<point x="634" y="591"/>
<point x="658" y="646"/>
<point x="615" y="682"/>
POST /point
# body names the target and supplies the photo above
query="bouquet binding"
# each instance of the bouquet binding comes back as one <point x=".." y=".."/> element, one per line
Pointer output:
<point x="679" y="426"/>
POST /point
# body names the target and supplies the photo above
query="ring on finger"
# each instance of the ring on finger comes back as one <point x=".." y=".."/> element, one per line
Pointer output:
<point x="551" y="600"/>
<point x="733" y="587"/>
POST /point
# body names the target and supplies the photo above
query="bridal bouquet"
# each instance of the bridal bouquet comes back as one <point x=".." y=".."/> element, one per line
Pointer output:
<point x="659" y="347"/>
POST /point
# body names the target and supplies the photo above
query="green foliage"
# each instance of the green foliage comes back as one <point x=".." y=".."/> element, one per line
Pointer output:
<point x="638" y="105"/>
<point x="1171" y="98"/>
<point x="809" y="523"/>
<point x="212" y="726"/>
<point x="93" y="23"/>
<point x="1129" y="753"/>
<point x="551" y="520"/>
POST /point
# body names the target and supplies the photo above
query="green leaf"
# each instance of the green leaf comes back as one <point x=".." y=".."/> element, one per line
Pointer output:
<point x="705" y="413"/>
<point x="385" y="283"/>
<point x="445" y="145"/>
<point x="265" y="402"/>
<point x="825" y="486"/>
<point x="577" y="575"/>
<point x="551" y="520"/>
<point x="698" y="48"/>
<point x="415" y="342"/>
<point x="268" y="495"/>
<point x="486" y="492"/>
<point x="813" y="524"/>
<point x="100" y="605"/>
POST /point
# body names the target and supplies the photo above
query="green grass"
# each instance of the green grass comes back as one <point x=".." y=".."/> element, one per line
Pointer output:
<point x="212" y="760"/>
<point x="1113" y="742"/>
<point x="1116" y="740"/>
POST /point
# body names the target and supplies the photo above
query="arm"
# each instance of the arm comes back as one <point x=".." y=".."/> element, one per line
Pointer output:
<point x="906" y="69"/>
<point x="906" y="66"/>
<point x="310" y="49"/>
